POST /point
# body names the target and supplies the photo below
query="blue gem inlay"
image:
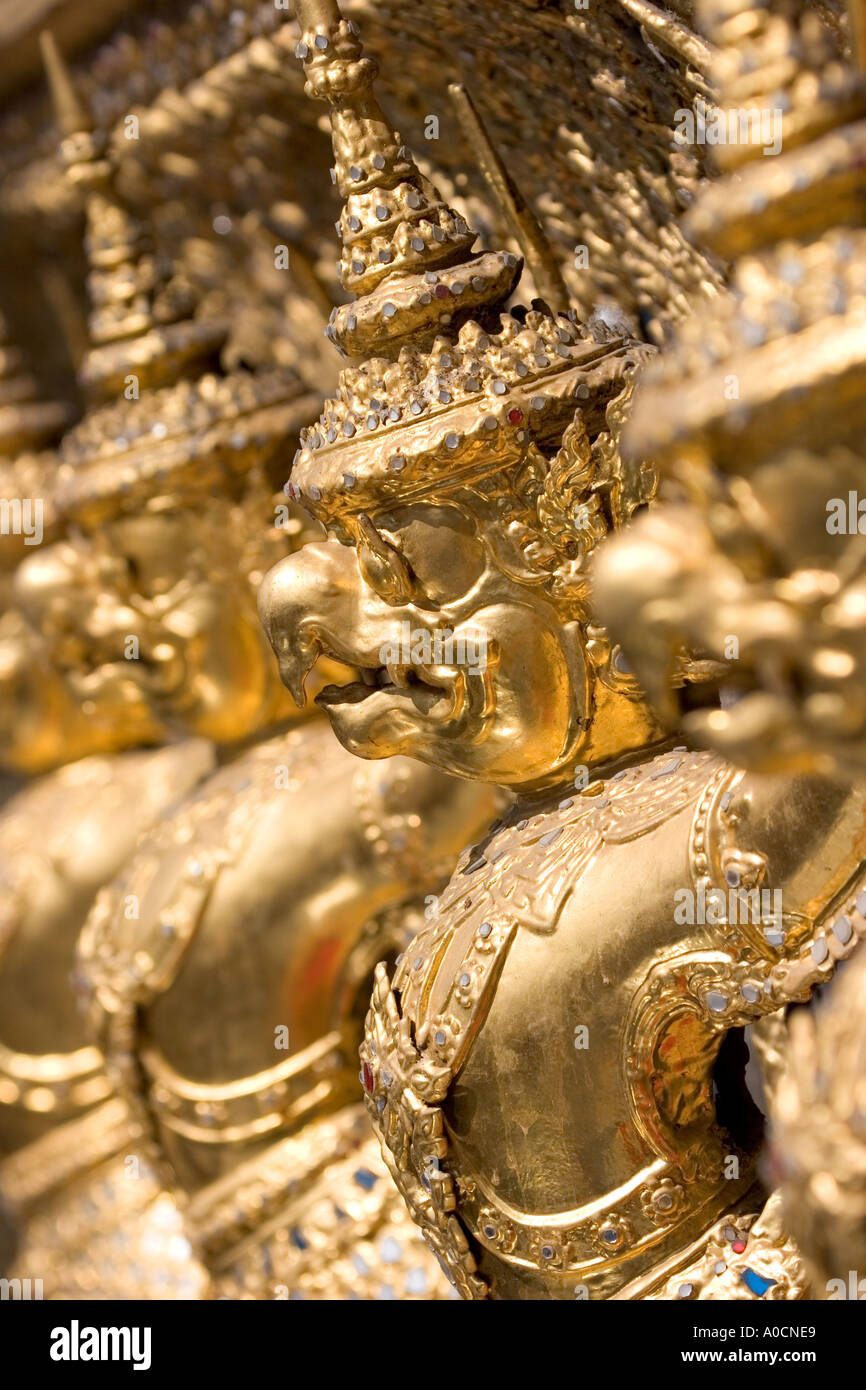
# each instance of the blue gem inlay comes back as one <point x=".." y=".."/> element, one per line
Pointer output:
<point x="756" y="1283"/>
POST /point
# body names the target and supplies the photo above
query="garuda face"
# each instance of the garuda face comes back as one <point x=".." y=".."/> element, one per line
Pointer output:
<point x="146" y="625"/>
<point x="462" y="664"/>
<point x="463" y="600"/>
<point x="463" y="472"/>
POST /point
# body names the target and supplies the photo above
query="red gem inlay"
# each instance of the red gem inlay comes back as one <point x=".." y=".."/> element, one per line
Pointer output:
<point x="738" y="1246"/>
<point x="442" y="291"/>
<point x="367" y="1077"/>
<point x="515" y="416"/>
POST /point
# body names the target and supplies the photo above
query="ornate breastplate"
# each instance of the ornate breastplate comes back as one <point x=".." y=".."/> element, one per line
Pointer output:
<point x="715" y="972"/>
<point x="98" y="1223"/>
<point x="129" y="964"/>
<point x="303" y="1203"/>
<point x="316" y="1216"/>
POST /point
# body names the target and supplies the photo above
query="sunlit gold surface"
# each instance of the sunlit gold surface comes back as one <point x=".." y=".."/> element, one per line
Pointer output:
<point x="551" y="1088"/>
<point x="146" y="612"/>
<point x="537" y="1164"/>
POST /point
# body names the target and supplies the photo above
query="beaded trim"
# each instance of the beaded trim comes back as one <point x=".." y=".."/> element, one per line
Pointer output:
<point x="314" y="1217"/>
<point x="257" y="1105"/>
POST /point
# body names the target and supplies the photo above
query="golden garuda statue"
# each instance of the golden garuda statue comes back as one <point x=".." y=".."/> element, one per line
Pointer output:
<point x="95" y="1220"/>
<point x="578" y="586"/>
<point x="755" y="416"/>
<point x="555" y="1068"/>
<point x="236" y="1068"/>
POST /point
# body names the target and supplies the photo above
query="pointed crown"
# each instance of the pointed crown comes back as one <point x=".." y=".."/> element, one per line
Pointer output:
<point x="395" y="228"/>
<point x="449" y="389"/>
<point x="141" y="320"/>
<point x="186" y="430"/>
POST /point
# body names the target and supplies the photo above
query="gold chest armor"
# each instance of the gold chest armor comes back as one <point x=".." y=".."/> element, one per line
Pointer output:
<point x="630" y="1135"/>
<point x="289" y="1195"/>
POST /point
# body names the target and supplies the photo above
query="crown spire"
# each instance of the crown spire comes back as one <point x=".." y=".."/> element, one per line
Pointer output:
<point x="790" y="336"/>
<point x="448" y="388"/>
<point x="141" y="319"/>
<point x="396" y="230"/>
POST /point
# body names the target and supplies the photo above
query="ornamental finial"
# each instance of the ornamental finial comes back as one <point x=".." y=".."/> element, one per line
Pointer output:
<point x="781" y="360"/>
<point x="449" y="388"/>
<point x="141" y="318"/>
<point x="396" y="230"/>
